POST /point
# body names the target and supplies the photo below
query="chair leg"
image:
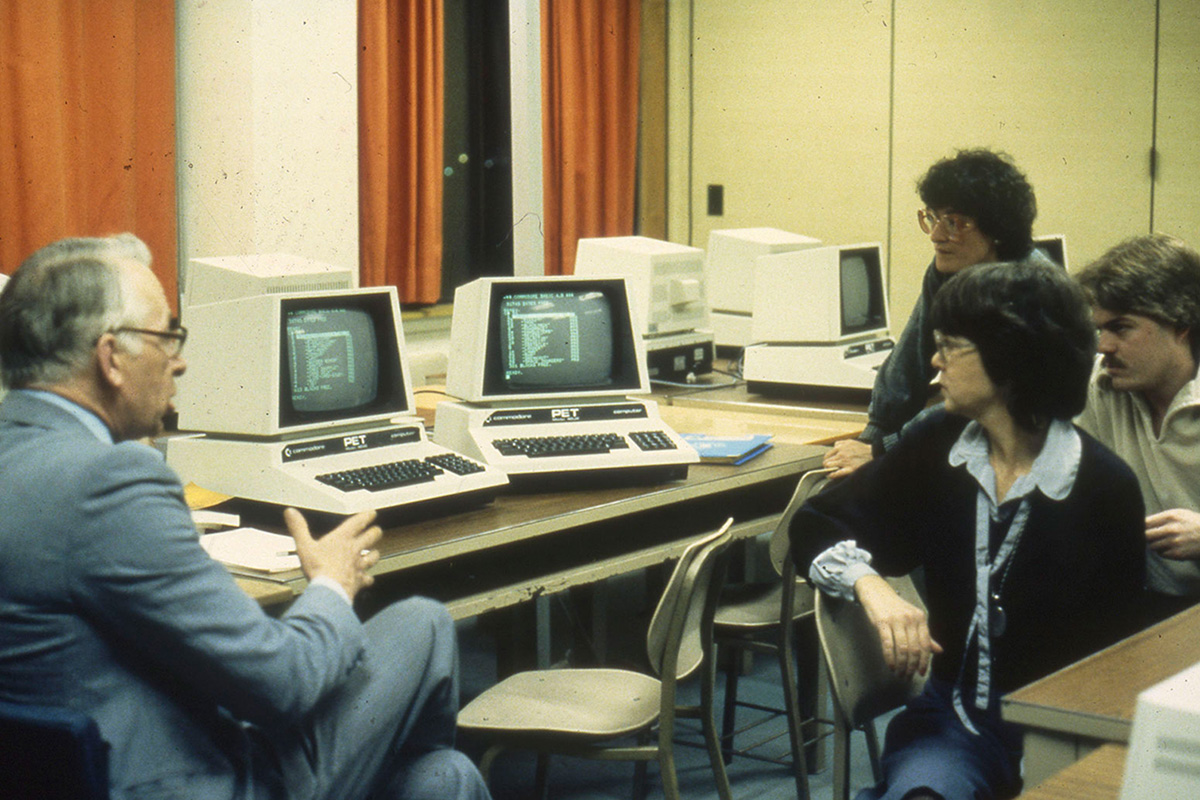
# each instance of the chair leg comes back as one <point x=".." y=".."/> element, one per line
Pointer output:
<point x="542" y="781"/>
<point x="841" y="758"/>
<point x="791" y="690"/>
<point x="715" y="754"/>
<point x="485" y="762"/>
<point x="666" y="771"/>
<point x="729" y="712"/>
<point x="639" y="771"/>
<point x="812" y="687"/>
<point x="873" y="750"/>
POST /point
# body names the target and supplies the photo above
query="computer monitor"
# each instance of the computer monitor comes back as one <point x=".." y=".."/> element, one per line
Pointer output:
<point x="822" y="295"/>
<point x="1164" y="745"/>
<point x="550" y="338"/>
<point x="665" y="280"/>
<point x="274" y="365"/>
<point x="729" y="272"/>
<point x="209" y="280"/>
<point x="1054" y="246"/>
<point x="670" y="305"/>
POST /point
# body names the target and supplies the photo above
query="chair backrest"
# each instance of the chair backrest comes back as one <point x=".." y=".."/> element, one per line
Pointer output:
<point x="51" y="753"/>
<point x="863" y="685"/>
<point x="676" y="634"/>
<point x="809" y="484"/>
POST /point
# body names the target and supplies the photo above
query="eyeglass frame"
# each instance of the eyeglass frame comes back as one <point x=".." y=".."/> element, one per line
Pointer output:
<point x="954" y="224"/>
<point x="176" y="334"/>
<point x="946" y="349"/>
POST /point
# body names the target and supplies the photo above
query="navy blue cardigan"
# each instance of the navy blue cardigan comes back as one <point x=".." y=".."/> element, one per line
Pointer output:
<point x="1073" y="587"/>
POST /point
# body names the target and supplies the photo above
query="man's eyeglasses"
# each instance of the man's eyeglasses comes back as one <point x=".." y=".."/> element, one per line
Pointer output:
<point x="948" y="347"/>
<point x="955" y="225"/>
<point x="173" y="340"/>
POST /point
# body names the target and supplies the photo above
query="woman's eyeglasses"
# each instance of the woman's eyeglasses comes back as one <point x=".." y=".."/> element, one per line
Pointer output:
<point x="955" y="225"/>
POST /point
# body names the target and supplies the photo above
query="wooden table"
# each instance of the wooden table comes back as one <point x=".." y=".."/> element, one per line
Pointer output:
<point x="525" y="546"/>
<point x="1069" y="713"/>
<point x="817" y="420"/>
<point x="1097" y="776"/>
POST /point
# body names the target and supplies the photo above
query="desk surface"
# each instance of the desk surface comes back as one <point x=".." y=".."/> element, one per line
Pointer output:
<point x="513" y="519"/>
<point x="1097" y="776"/>
<point x="1095" y="698"/>
<point x="522" y="545"/>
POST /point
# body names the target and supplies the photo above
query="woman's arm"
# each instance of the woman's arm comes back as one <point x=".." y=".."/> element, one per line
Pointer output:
<point x="903" y="628"/>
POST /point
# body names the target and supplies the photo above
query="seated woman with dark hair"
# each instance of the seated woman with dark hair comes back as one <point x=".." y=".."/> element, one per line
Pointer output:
<point x="1029" y="531"/>
<point x="978" y="208"/>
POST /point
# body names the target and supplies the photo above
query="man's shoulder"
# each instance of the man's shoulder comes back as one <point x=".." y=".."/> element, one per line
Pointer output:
<point x="1099" y="462"/>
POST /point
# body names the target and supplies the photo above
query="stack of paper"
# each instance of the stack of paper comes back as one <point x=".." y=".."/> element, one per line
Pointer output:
<point x="252" y="550"/>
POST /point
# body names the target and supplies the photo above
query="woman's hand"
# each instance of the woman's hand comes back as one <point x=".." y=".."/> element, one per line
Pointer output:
<point x="846" y="456"/>
<point x="903" y="628"/>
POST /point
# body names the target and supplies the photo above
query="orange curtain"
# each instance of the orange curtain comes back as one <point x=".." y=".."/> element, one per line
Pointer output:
<point x="589" y="117"/>
<point x="400" y="59"/>
<point x="87" y="125"/>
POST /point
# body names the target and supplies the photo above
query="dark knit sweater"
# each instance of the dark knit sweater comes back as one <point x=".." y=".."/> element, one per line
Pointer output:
<point x="1075" y="580"/>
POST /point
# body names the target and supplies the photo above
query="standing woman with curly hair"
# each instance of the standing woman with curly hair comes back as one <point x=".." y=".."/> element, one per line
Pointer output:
<point x="978" y="207"/>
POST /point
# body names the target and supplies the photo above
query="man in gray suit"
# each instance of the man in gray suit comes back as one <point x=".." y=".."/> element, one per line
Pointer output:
<point x="108" y="604"/>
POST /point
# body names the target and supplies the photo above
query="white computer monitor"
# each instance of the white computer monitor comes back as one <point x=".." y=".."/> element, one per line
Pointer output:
<point x="820" y="321"/>
<point x="667" y="290"/>
<point x="665" y="280"/>
<point x="1164" y="746"/>
<point x="821" y="295"/>
<point x="210" y="280"/>
<point x="552" y="339"/>
<point x="1054" y="246"/>
<point x="274" y="365"/>
<point x="729" y="272"/>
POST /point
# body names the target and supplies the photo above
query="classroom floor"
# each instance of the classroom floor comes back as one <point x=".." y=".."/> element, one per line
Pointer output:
<point x="579" y="779"/>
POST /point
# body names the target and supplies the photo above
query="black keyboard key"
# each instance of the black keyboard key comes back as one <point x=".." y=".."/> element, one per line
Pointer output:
<point x="653" y="440"/>
<point x="547" y="446"/>
<point x="379" y="477"/>
<point x="452" y="462"/>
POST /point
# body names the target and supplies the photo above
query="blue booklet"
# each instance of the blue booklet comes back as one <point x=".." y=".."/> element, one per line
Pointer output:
<point x="714" y="449"/>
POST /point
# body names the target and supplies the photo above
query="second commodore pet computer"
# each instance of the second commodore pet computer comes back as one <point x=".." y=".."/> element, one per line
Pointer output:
<point x="542" y="369"/>
<point x="670" y="305"/>
<point x="820" y="321"/>
<point x="304" y="399"/>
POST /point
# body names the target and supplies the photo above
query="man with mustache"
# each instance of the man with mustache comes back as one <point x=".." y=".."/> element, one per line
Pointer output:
<point x="1144" y="398"/>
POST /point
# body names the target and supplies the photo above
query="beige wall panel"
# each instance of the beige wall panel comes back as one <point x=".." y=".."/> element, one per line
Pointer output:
<point x="1065" y="87"/>
<point x="1177" y="191"/>
<point x="790" y="115"/>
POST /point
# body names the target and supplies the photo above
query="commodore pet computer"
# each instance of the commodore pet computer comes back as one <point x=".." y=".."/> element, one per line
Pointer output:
<point x="304" y="399"/>
<point x="820" y="321"/>
<point x="542" y="369"/>
<point x="209" y="280"/>
<point x="670" y="306"/>
<point x="729" y="271"/>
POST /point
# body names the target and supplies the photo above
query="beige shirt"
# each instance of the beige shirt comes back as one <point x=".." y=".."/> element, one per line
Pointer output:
<point x="1167" y="466"/>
